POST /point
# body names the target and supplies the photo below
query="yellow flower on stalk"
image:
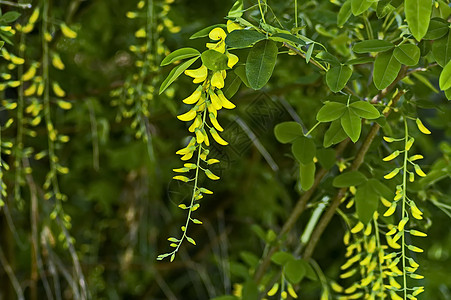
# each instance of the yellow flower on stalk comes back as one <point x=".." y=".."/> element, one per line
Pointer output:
<point x="199" y="74"/>
<point x="224" y="101"/>
<point x="233" y="59"/>
<point x="231" y="26"/>
<point x="217" y="34"/>
<point x="194" y="97"/>
<point x="217" y="80"/>
<point x="188" y="116"/>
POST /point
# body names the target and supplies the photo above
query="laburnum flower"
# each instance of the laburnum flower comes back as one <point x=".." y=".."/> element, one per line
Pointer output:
<point x="208" y="95"/>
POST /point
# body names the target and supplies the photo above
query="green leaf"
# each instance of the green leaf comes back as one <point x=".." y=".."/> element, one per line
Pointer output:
<point x="365" y="110"/>
<point x="372" y="46"/>
<point x="2" y="43"/>
<point x="243" y="38"/>
<point x="351" y="124"/>
<point x="437" y="29"/>
<point x="285" y="37"/>
<point x="360" y="60"/>
<point x="294" y="270"/>
<point x="281" y="258"/>
<point x="351" y="178"/>
<point x="359" y="6"/>
<point x="407" y="54"/>
<point x="327" y="57"/>
<point x="237" y="10"/>
<point x="304" y="149"/>
<point x="330" y="111"/>
<point x="386" y="69"/>
<point x="326" y="158"/>
<point x="307" y="175"/>
<point x="179" y="55"/>
<point x="366" y="201"/>
<point x="448" y="94"/>
<point x="441" y="49"/>
<point x="418" y="15"/>
<point x="445" y="77"/>
<point x="260" y="63"/>
<point x="241" y="72"/>
<point x="334" y="134"/>
<point x="287" y="132"/>
<point x="9" y="17"/>
<point x="344" y="13"/>
<point x="308" y="55"/>
<point x="337" y="77"/>
<point x="250" y="290"/>
<point x="204" y="32"/>
<point x="175" y="73"/>
<point x="232" y="85"/>
<point x="214" y="60"/>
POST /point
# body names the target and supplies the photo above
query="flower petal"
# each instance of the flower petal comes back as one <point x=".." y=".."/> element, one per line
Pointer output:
<point x="217" y="80"/>
<point x="233" y="59"/>
<point x="217" y="34"/>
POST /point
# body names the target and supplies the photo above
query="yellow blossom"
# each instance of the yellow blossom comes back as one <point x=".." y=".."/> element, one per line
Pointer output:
<point x="217" y="80"/>
<point x="199" y="74"/>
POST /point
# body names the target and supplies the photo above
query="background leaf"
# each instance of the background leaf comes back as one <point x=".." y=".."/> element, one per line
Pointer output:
<point x="386" y="69"/>
<point x="287" y="132"/>
<point x="304" y="149"/>
<point x="418" y="15"/>
<point x="260" y="63"/>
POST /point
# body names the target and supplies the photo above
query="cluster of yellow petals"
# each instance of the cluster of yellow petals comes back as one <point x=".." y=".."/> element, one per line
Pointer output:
<point x="208" y="96"/>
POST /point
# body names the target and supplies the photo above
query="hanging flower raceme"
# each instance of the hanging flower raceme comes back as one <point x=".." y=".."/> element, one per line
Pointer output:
<point x="205" y="102"/>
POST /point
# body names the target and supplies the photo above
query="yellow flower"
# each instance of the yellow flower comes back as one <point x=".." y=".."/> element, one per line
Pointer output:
<point x="215" y="123"/>
<point x="231" y="26"/>
<point x="188" y="116"/>
<point x="199" y="74"/>
<point x="217" y="80"/>
<point x="194" y="96"/>
<point x="217" y="138"/>
<point x="224" y="101"/>
<point x="215" y="101"/>
<point x="233" y="59"/>
<point x="217" y="34"/>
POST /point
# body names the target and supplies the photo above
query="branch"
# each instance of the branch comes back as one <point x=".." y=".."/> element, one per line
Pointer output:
<point x="327" y="217"/>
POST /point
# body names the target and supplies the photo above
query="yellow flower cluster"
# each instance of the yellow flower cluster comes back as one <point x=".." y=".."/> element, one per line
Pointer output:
<point x="208" y="98"/>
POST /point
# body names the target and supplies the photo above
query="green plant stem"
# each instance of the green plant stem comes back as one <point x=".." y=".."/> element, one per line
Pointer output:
<point x="296" y="12"/>
<point x="403" y="213"/>
<point x="379" y="261"/>
<point x="196" y="178"/>
<point x="261" y="11"/>
<point x="313" y="128"/>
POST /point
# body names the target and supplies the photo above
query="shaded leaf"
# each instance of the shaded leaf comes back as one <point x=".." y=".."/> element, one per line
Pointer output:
<point x="372" y="46"/>
<point x="351" y="124"/>
<point x="287" y="132"/>
<point x="347" y="179"/>
<point x="175" y="73"/>
<point x="243" y="38"/>
<point x="304" y="150"/>
<point x="260" y="63"/>
<point x="337" y="77"/>
<point x="407" y="54"/>
<point x="386" y="69"/>
<point x="307" y="175"/>
<point x="365" y="110"/>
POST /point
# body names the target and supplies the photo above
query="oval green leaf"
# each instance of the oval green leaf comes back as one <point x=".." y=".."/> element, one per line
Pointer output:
<point x="386" y="69"/>
<point x="334" y="134"/>
<point x="445" y="77"/>
<point x="352" y="178"/>
<point x="344" y="13"/>
<point x="294" y="271"/>
<point x="304" y="150"/>
<point x="326" y="158"/>
<point x="260" y="63"/>
<point x="441" y="49"/>
<point x="330" y="112"/>
<point x="337" y="77"/>
<point x="179" y="55"/>
<point x="418" y="15"/>
<point x="214" y="60"/>
<point x="287" y="132"/>
<point x="372" y="46"/>
<point x="351" y="124"/>
<point x="175" y="73"/>
<point x="366" y="201"/>
<point x="359" y="6"/>
<point x="307" y="175"/>
<point x="437" y="29"/>
<point x="365" y="110"/>
<point x="243" y="38"/>
<point x="407" y="54"/>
